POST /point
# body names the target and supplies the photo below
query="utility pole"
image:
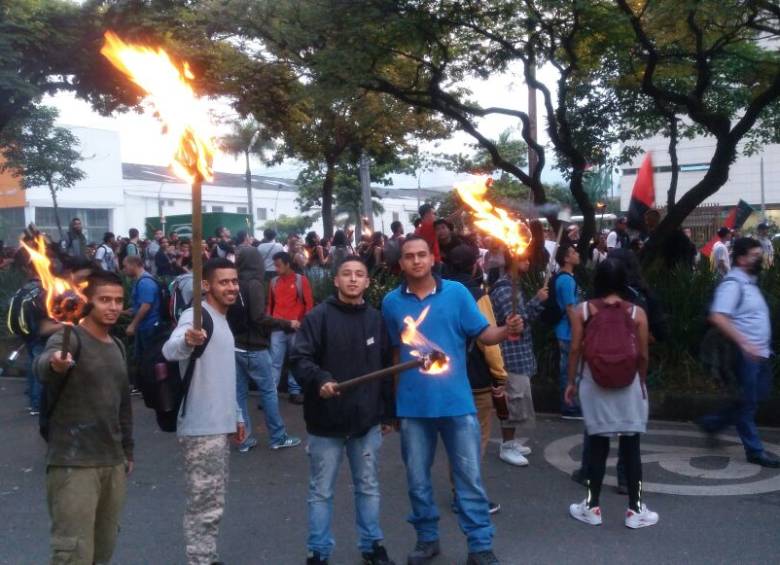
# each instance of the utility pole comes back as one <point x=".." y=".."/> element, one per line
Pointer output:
<point x="533" y="158"/>
<point x="763" y="200"/>
<point x="365" y="186"/>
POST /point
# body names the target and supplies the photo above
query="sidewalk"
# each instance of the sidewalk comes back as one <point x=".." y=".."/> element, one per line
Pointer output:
<point x="265" y="521"/>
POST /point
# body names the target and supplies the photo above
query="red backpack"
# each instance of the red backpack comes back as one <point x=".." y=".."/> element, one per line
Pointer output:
<point x="610" y="347"/>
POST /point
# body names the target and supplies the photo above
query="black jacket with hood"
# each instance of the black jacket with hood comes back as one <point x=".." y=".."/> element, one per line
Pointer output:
<point x="255" y="331"/>
<point x="337" y="342"/>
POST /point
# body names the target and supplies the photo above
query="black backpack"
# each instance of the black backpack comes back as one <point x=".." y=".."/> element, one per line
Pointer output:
<point x="162" y="385"/>
<point x="552" y="313"/>
<point x="24" y="311"/>
<point x="50" y="395"/>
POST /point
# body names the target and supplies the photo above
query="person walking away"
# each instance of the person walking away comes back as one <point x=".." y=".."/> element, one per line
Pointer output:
<point x="484" y="364"/>
<point x="289" y="298"/>
<point x="75" y="242"/>
<point x="520" y="363"/>
<point x="339" y="251"/>
<point x="210" y="413"/>
<point x="340" y="339"/>
<point x="610" y="343"/>
<point x="766" y="244"/>
<point x="268" y="248"/>
<point x="145" y="308"/>
<point x="740" y="312"/>
<point x="442" y="406"/>
<point x="565" y="289"/>
<point x="720" y="259"/>
<point x="316" y="260"/>
<point x="252" y="332"/>
<point x="105" y="253"/>
<point x="90" y="430"/>
<point x="618" y="238"/>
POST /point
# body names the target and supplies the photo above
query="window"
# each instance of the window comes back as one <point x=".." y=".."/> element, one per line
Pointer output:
<point x="396" y="216"/>
<point x="11" y="224"/>
<point x="93" y="220"/>
<point x="241" y="210"/>
<point x="217" y="208"/>
<point x="262" y="213"/>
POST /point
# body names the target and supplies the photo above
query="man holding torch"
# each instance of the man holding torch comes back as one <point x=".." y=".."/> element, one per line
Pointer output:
<point x="90" y="430"/>
<point x="441" y="405"/>
<point x="340" y="339"/>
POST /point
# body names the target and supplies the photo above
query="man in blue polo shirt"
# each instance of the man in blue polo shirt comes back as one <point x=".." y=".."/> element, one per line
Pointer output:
<point x="441" y="405"/>
<point x="145" y="307"/>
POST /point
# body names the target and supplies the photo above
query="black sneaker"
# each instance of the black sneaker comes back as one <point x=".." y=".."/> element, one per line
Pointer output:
<point x="482" y="558"/>
<point x="764" y="459"/>
<point x="378" y="556"/>
<point x="423" y="553"/>
<point x="314" y="559"/>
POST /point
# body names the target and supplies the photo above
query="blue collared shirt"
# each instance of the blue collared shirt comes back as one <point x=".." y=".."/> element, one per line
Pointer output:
<point x="452" y="319"/>
<point x="739" y="298"/>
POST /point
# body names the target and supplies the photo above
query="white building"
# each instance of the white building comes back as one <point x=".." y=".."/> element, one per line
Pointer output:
<point x="116" y="196"/>
<point x="693" y="157"/>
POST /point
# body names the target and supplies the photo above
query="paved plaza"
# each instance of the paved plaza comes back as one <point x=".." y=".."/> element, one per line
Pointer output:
<point x="714" y="507"/>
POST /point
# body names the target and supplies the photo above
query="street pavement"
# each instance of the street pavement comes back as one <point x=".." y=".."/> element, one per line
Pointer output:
<point x="714" y="507"/>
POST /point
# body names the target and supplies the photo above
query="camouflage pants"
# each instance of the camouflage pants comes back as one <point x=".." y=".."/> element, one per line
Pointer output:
<point x="206" y="475"/>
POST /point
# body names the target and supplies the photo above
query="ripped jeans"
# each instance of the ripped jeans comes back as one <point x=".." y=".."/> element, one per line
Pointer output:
<point x="325" y="455"/>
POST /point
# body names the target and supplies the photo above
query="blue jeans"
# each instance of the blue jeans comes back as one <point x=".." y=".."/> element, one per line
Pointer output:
<point x="755" y="381"/>
<point x="460" y="435"/>
<point x="256" y="365"/>
<point x="143" y="341"/>
<point x="280" y="342"/>
<point x="563" y="378"/>
<point x="325" y="454"/>
<point x="34" y="386"/>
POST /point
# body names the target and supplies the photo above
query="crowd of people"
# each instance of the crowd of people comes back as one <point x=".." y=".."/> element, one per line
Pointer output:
<point x="260" y="323"/>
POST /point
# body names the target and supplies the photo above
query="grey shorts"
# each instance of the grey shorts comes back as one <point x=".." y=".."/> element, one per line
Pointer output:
<point x="519" y="401"/>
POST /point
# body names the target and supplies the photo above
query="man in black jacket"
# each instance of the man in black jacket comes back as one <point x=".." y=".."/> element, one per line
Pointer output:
<point x="340" y="339"/>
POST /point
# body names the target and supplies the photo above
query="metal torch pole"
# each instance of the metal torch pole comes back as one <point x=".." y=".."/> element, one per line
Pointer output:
<point x="197" y="252"/>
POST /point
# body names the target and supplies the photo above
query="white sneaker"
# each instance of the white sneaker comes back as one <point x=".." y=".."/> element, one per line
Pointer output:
<point x="642" y="519"/>
<point x="523" y="449"/>
<point x="582" y="513"/>
<point x="509" y="453"/>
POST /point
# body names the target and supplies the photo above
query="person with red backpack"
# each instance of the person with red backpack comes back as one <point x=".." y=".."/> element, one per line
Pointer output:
<point x="289" y="298"/>
<point x="609" y="348"/>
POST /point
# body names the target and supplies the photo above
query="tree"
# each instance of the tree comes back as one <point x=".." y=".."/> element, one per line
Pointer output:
<point x="42" y="154"/>
<point x="248" y="138"/>
<point x="286" y="225"/>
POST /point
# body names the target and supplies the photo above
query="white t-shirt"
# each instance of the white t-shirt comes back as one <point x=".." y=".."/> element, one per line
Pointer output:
<point x="612" y="240"/>
<point x="720" y="254"/>
<point x="105" y="256"/>
<point x="267" y="251"/>
<point x="549" y="245"/>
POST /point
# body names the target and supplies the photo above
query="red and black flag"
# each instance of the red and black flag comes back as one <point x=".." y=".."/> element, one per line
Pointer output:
<point x="738" y="215"/>
<point x="643" y="195"/>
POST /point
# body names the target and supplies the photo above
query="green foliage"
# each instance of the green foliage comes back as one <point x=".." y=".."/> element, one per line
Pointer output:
<point x="286" y="225"/>
<point x="42" y="154"/>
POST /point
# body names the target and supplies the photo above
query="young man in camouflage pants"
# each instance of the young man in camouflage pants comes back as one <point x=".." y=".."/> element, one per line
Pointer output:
<point x="212" y="413"/>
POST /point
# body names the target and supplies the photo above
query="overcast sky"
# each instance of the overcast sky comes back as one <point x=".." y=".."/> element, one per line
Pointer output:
<point x="141" y="142"/>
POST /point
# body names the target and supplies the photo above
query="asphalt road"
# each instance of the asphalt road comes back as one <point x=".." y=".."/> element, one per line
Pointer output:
<point x="265" y="521"/>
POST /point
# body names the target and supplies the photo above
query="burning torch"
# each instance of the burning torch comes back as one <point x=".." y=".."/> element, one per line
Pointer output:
<point x="65" y="300"/>
<point x="497" y="222"/>
<point x="427" y="356"/>
<point x="185" y="126"/>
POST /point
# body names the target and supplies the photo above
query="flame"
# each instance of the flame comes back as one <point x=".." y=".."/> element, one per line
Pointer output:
<point x="184" y="118"/>
<point x="306" y="254"/>
<point x="64" y="299"/>
<point x="420" y="344"/>
<point x="366" y="231"/>
<point x="493" y="220"/>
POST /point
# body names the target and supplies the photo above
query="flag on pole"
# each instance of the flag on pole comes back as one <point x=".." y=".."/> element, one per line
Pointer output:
<point x="736" y="218"/>
<point x="643" y="195"/>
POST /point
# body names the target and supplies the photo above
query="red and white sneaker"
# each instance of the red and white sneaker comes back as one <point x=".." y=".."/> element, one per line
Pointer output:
<point x="582" y="513"/>
<point x="642" y="519"/>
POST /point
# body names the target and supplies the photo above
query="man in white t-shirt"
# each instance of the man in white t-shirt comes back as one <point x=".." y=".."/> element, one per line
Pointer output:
<point x="721" y="262"/>
<point x="766" y="244"/>
<point x="105" y="253"/>
<point x="618" y="238"/>
<point x="267" y="249"/>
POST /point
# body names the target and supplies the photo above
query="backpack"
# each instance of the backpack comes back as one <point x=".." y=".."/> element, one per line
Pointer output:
<point x="177" y="302"/>
<point x="392" y="252"/>
<point x="551" y="312"/>
<point x="165" y="301"/>
<point x="49" y="397"/>
<point x="162" y="385"/>
<point x="24" y="310"/>
<point x="610" y="345"/>
<point x="123" y="251"/>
